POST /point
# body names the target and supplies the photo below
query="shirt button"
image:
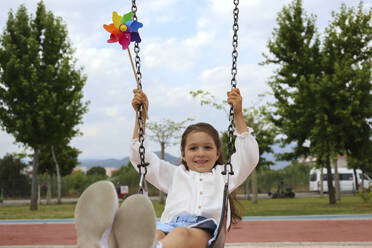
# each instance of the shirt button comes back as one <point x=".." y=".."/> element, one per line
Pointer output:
<point x="201" y="179"/>
<point x="201" y="193"/>
<point x="199" y="206"/>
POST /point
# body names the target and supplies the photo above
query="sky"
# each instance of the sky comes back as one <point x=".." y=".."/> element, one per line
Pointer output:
<point x="186" y="46"/>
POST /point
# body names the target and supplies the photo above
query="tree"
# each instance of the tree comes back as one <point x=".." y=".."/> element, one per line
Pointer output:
<point x="13" y="176"/>
<point x="164" y="133"/>
<point x="298" y="111"/>
<point x="347" y="67"/>
<point x="316" y="89"/>
<point x="40" y="89"/>
<point x="256" y="118"/>
<point x="96" y="170"/>
<point x="68" y="158"/>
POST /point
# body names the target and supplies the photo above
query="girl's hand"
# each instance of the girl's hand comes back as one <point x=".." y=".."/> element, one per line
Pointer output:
<point x="140" y="98"/>
<point x="235" y="99"/>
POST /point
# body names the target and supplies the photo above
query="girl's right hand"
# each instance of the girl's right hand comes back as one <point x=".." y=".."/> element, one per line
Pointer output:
<point x="140" y="98"/>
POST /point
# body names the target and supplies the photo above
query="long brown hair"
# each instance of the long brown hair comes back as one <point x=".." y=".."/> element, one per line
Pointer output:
<point x="209" y="129"/>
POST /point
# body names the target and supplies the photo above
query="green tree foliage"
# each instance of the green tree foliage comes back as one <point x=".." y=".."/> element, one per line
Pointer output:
<point x="295" y="48"/>
<point x="295" y="175"/>
<point x="127" y="175"/>
<point x="77" y="182"/>
<point x="166" y="132"/>
<point x="318" y="90"/>
<point x="40" y="89"/>
<point x="347" y="70"/>
<point x="68" y="158"/>
<point x="67" y="161"/>
<point x="96" y="170"/>
<point x="13" y="178"/>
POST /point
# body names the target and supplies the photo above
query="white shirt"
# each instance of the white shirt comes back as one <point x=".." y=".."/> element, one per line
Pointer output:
<point x="194" y="193"/>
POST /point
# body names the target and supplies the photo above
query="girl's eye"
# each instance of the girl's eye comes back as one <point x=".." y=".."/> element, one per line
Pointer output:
<point x="208" y="147"/>
<point x="193" y="148"/>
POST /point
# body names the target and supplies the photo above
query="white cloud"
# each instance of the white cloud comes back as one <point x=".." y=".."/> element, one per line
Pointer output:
<point x="159" y="5"/>
<point x="186" y="46"/>
<point x="178" y="55"/>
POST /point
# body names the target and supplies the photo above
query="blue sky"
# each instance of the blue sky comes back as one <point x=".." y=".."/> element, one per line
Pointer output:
<point x="186" y="45"/>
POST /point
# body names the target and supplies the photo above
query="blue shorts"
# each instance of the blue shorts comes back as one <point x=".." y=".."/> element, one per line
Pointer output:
<point x="190" y="221"/>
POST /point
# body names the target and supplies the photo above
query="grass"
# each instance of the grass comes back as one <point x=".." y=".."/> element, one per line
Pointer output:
<point x="306" y="206"/>
<point x="265" y="207"/>
<point x="63" y="211"/>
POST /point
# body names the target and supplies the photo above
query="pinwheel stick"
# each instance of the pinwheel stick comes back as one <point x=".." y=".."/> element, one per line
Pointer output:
<point x="134" y="70"/>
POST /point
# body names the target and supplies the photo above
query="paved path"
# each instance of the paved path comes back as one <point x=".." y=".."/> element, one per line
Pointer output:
<point x="317" y="232"/>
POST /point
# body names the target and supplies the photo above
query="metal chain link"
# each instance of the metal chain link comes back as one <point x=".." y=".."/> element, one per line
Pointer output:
<point x="234" y="71"/>
<point x="142" y="167"/>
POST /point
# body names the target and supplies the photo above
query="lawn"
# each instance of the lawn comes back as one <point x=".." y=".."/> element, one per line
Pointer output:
<point x="306" y="206"/>
<point x="265" y="207"/>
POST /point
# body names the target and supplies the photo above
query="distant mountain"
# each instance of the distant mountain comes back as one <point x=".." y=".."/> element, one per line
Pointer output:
<point x="117" y="163"/>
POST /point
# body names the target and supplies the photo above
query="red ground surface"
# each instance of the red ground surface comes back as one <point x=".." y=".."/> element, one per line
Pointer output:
<point x="246" y="231"/>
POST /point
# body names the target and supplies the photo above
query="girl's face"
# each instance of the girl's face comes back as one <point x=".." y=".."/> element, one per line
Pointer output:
<point x="200" y="152"/>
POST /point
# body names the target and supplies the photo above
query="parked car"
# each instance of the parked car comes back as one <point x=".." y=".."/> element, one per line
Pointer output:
<point x="346" y="178"/>
<point x="122" y="190"/>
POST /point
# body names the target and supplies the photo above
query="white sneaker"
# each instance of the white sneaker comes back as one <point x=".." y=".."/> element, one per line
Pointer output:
<point x="135" y="223"/>
<point x="94" y="215"/>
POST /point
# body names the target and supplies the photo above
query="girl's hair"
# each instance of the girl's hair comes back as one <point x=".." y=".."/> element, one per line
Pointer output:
<point x="209" y="129"/>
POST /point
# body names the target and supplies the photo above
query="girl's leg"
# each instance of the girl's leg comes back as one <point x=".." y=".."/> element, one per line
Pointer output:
<point x="183" y="237"/>
<point x="160" y="235"/>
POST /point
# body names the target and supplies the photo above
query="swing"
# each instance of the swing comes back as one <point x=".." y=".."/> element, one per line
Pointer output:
<point x="228" y="169"/>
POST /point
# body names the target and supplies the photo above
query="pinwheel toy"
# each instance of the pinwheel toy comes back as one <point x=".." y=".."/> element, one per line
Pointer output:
<point x="124" y="30"/>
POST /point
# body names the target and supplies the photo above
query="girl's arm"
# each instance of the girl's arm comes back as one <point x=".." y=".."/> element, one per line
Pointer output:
<point x="138" y="99"/>
<point x="245" y="159"/>
<point x="235" y="99"/>
<point x="159" y="172"/>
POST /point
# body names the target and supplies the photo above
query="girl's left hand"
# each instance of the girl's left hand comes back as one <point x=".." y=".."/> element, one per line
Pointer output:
<point x="235" y="99"/>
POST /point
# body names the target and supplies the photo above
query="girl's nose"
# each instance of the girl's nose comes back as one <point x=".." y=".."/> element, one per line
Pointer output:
<point x="200" y="152"/>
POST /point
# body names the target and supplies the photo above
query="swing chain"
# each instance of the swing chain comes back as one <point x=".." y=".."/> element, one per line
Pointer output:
<point x="143" y="165"/>
<point x="234" y="70"/>
<point x="137" y="58"/>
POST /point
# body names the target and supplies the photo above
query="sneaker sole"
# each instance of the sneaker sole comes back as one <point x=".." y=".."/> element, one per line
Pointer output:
<point x="135" y="223"/>
<point x="94" y="215"/>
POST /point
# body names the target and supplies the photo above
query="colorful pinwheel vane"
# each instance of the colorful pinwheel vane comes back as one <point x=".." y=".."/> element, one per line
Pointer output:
<point x="123" y="29"/>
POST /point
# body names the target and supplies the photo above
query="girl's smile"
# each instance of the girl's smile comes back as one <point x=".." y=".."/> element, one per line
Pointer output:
<point x="200" y="152"/>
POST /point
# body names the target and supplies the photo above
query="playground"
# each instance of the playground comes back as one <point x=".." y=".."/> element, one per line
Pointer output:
<point x="295" y="231"/>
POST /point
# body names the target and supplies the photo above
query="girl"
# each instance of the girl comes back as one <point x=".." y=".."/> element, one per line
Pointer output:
<point x="195" y="189"/>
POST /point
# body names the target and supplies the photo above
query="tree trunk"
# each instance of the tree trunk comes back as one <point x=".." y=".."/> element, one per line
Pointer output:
<point x="38" y="195"/>
<point x="337" y="181"/>
<point x="331" y="190"/>
<point x="321" y="190"/>
<point x="356" y="181"/>
<point x="34" y="183"/>
<point x="161" y="193"/>
<point x="49" y="190"/>
<point x="246" y="190"/>
<point x="59" y="200"/>
<point x="364" y="190"/>
<point x="254" y="186"/>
